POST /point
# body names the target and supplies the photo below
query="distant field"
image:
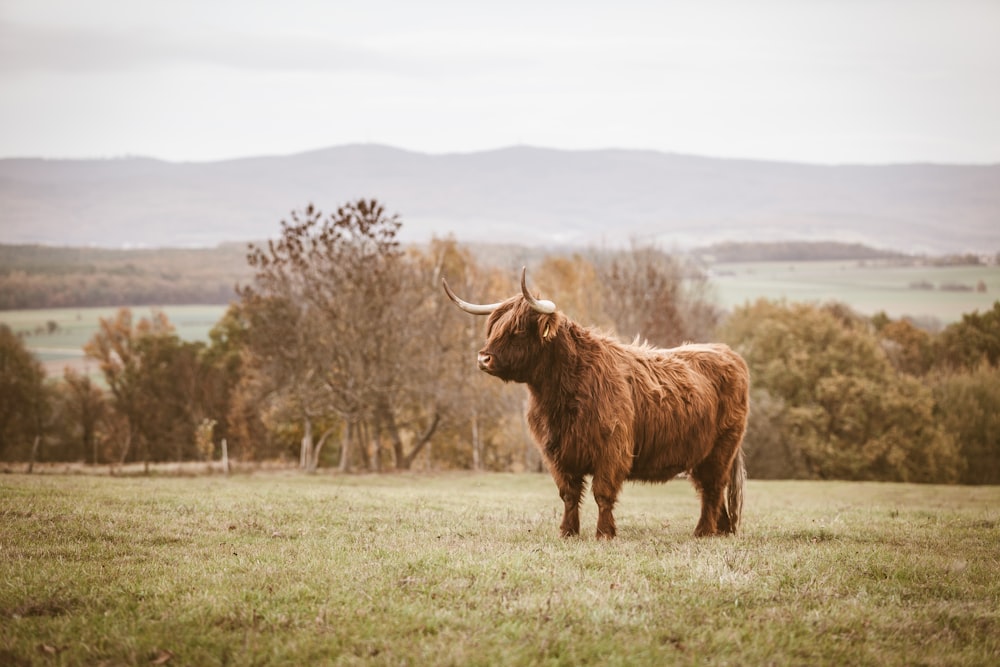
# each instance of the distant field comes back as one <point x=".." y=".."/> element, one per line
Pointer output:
<point x="75" y="326"/>
<point x="468" y="569"/>
<point x="868" y="287"/>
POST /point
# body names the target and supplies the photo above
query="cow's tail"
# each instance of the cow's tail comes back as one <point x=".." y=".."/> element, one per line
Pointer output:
<point x="734" y="494"/>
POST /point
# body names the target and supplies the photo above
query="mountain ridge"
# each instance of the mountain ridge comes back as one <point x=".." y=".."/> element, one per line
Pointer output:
<point x="520" y="194"/>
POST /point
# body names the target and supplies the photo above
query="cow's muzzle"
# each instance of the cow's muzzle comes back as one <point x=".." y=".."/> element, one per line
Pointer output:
<point x="485" y="360"/>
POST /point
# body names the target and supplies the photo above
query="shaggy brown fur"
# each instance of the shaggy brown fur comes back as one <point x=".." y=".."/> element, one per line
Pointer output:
<point x="614" y="411"/>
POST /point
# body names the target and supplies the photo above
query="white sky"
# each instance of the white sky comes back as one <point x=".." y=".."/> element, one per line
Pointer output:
<point x="824" y="81"/>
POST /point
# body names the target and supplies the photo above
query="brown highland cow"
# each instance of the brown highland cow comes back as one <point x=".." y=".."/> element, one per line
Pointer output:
<point x="614" y="411"/>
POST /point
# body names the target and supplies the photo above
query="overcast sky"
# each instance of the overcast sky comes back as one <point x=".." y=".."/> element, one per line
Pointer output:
<point x="828" y="81"/>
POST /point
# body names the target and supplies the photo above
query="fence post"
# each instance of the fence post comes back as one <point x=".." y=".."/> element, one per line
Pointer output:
<point x="34" y="453"/>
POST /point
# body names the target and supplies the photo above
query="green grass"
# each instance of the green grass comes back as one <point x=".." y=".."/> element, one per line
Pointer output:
<point x="76" y="326"/>
<point x="867" y="287"/>
<point x="467" y="569"/>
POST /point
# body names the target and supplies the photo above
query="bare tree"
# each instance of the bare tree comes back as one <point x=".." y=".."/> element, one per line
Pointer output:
<point x="656" y="296"/>
<point x="339" y="297"/>
<point x="482" y="419"/>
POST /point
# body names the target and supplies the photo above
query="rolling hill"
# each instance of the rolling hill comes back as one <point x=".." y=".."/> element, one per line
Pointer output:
<point x="522" y="195"/>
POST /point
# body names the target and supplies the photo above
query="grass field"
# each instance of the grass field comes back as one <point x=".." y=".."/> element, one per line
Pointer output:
<point x="76" y="326"/>
<point x="466" y="569"/>
<point x="867" y="287"/>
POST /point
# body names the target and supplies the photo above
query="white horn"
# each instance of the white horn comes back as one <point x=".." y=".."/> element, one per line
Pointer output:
<point x="541" y="305"/>
<point x="474" y="308"/>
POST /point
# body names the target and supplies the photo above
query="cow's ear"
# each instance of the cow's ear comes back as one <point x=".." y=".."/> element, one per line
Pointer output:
<point x="548" y="325"/>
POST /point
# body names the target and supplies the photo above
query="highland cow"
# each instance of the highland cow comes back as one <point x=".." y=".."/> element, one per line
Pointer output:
<point x="616" y="411"/>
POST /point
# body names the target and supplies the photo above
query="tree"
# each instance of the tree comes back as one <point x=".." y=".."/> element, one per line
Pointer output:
<point x="772" y="451"/>
<point x="574" y="284"/>
<point x="296" y="309"/>
<point x="909" y="348"/>
<point x="968" y="405"/>
<point x="23" y="399"/>
<point x="171" y="382"/>
<point x="973" y="340"/>
<point x="284" y="366"/>
<point x="840" y="406"/>
<point x="153" y="378"/>
<point x="335" y="299"/>
<point x="249" y="436"/>
<point x="113" y="347"/>
<point x="204" y="436"/>
<point x="482" y="424"/>
<point x="656" y="296"/>
<point x="84" y="408"/>
<point x="222" y="368"/>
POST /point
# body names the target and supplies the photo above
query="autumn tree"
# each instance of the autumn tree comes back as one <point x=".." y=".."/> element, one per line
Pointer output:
<point x="284" y="370"/>
<point x="968" y="405"/>
<point x="973" y="340"/>
<point x="842" y="410"/>
<point x="573" y="282"/>
<point x="334" y="300"/>
<point x="656" y="296"/>
<point x="23" y="398"/>
<point x="113" y="347"/>
<point x="294" y="367"/>
<point x="482" y="420"/>
<point x="960" y="365"/>
<point x="154" y="380"/>
<point x="909" y="348"/>
<point x="221" y="369"/>
<point x="83" y="408"/>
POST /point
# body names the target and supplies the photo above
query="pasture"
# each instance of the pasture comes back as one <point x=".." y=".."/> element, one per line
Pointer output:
<point x="468" y="569"/>
<point x="63" y="346"/>
<point x="943" y="293"/>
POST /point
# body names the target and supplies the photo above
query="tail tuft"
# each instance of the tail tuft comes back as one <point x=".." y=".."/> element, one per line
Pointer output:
<point x="734" y="494"/>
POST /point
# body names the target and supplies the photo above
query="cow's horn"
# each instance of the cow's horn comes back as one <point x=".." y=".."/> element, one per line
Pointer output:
<point x="541" y="305"/>
<point x="474" y="308"/>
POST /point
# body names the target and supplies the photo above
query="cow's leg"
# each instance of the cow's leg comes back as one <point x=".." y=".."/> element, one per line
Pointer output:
<point x="606" y="489"/>
<point x="571" y="491"/>
<point x="711" y="476"/>
<point x="709" y="479"/>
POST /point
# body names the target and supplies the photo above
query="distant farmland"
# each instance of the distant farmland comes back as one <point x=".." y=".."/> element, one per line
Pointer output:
<point x="921" y="292"/>
<point x="929" y="294"/>
<point x="61" y="345"/>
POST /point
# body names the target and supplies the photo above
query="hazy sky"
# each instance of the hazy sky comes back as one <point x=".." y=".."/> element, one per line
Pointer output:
<point x="827" y="81"/>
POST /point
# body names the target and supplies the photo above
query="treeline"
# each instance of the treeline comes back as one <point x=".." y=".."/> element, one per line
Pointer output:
<point x="815" y="251"/>
<point x="33" y="276"/>
<point x="792" y="251"/>
<point x="342" y="351"/>
<point x="839" y="396"/>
